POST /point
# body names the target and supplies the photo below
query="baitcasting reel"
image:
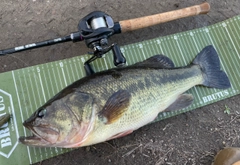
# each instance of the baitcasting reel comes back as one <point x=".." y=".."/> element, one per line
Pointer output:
<point x="97" y="27"/>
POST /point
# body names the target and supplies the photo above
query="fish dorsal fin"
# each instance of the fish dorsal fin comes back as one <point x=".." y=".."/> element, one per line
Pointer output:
<point x="115" y="106"/>
<point x="158" y="61"/>
<point x="183" y="101"/>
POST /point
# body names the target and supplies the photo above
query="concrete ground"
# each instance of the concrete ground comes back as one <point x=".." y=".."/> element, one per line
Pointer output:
<point x="177" y="140"/>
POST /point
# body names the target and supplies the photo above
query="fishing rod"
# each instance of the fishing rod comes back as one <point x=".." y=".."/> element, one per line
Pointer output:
<point x="96" y="27"/>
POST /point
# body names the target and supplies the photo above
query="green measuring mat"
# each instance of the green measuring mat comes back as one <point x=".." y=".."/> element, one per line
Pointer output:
<point x="23" y="91"/>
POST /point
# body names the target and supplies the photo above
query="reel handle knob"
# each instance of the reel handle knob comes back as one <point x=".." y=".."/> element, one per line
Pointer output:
<point x="88" y="69"/>
<point x="118" y="58"/>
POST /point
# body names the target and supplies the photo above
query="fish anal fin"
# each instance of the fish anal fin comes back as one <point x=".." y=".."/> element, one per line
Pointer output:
<point x="158" y="61"/>
<point x="183" y="101"/>
<point x="115" y="106"/>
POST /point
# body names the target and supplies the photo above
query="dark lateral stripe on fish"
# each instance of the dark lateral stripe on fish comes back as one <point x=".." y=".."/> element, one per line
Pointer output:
<point x="163" y="79"/>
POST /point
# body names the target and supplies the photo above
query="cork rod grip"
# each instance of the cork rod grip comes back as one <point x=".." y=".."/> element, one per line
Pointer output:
<point x="142" y="22"/>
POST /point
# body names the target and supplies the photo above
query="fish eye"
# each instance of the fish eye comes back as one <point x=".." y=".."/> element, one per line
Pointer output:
<point x="42" y="112"/>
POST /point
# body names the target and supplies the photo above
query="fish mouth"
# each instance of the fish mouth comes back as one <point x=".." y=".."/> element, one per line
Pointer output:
<point x="33" y="141"/>
<point x="41" y="136"/>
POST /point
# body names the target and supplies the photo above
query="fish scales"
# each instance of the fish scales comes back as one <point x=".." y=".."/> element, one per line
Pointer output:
<point x="146" y="100"/>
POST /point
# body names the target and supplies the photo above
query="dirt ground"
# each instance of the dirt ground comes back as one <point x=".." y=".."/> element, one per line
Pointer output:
<point x="187" y="139"/>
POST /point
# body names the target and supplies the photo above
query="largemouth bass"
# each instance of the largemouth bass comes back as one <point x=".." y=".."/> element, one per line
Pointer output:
<point x="114" y="103"/>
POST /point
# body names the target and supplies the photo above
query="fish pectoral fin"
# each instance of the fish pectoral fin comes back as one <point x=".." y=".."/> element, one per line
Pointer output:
<point x="158" y="61"/>
<point x="115" y="106"/>
<point x="183" y="101"/>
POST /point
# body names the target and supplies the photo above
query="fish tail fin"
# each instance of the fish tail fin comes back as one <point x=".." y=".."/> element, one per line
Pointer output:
<point x="209" y="62"/>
